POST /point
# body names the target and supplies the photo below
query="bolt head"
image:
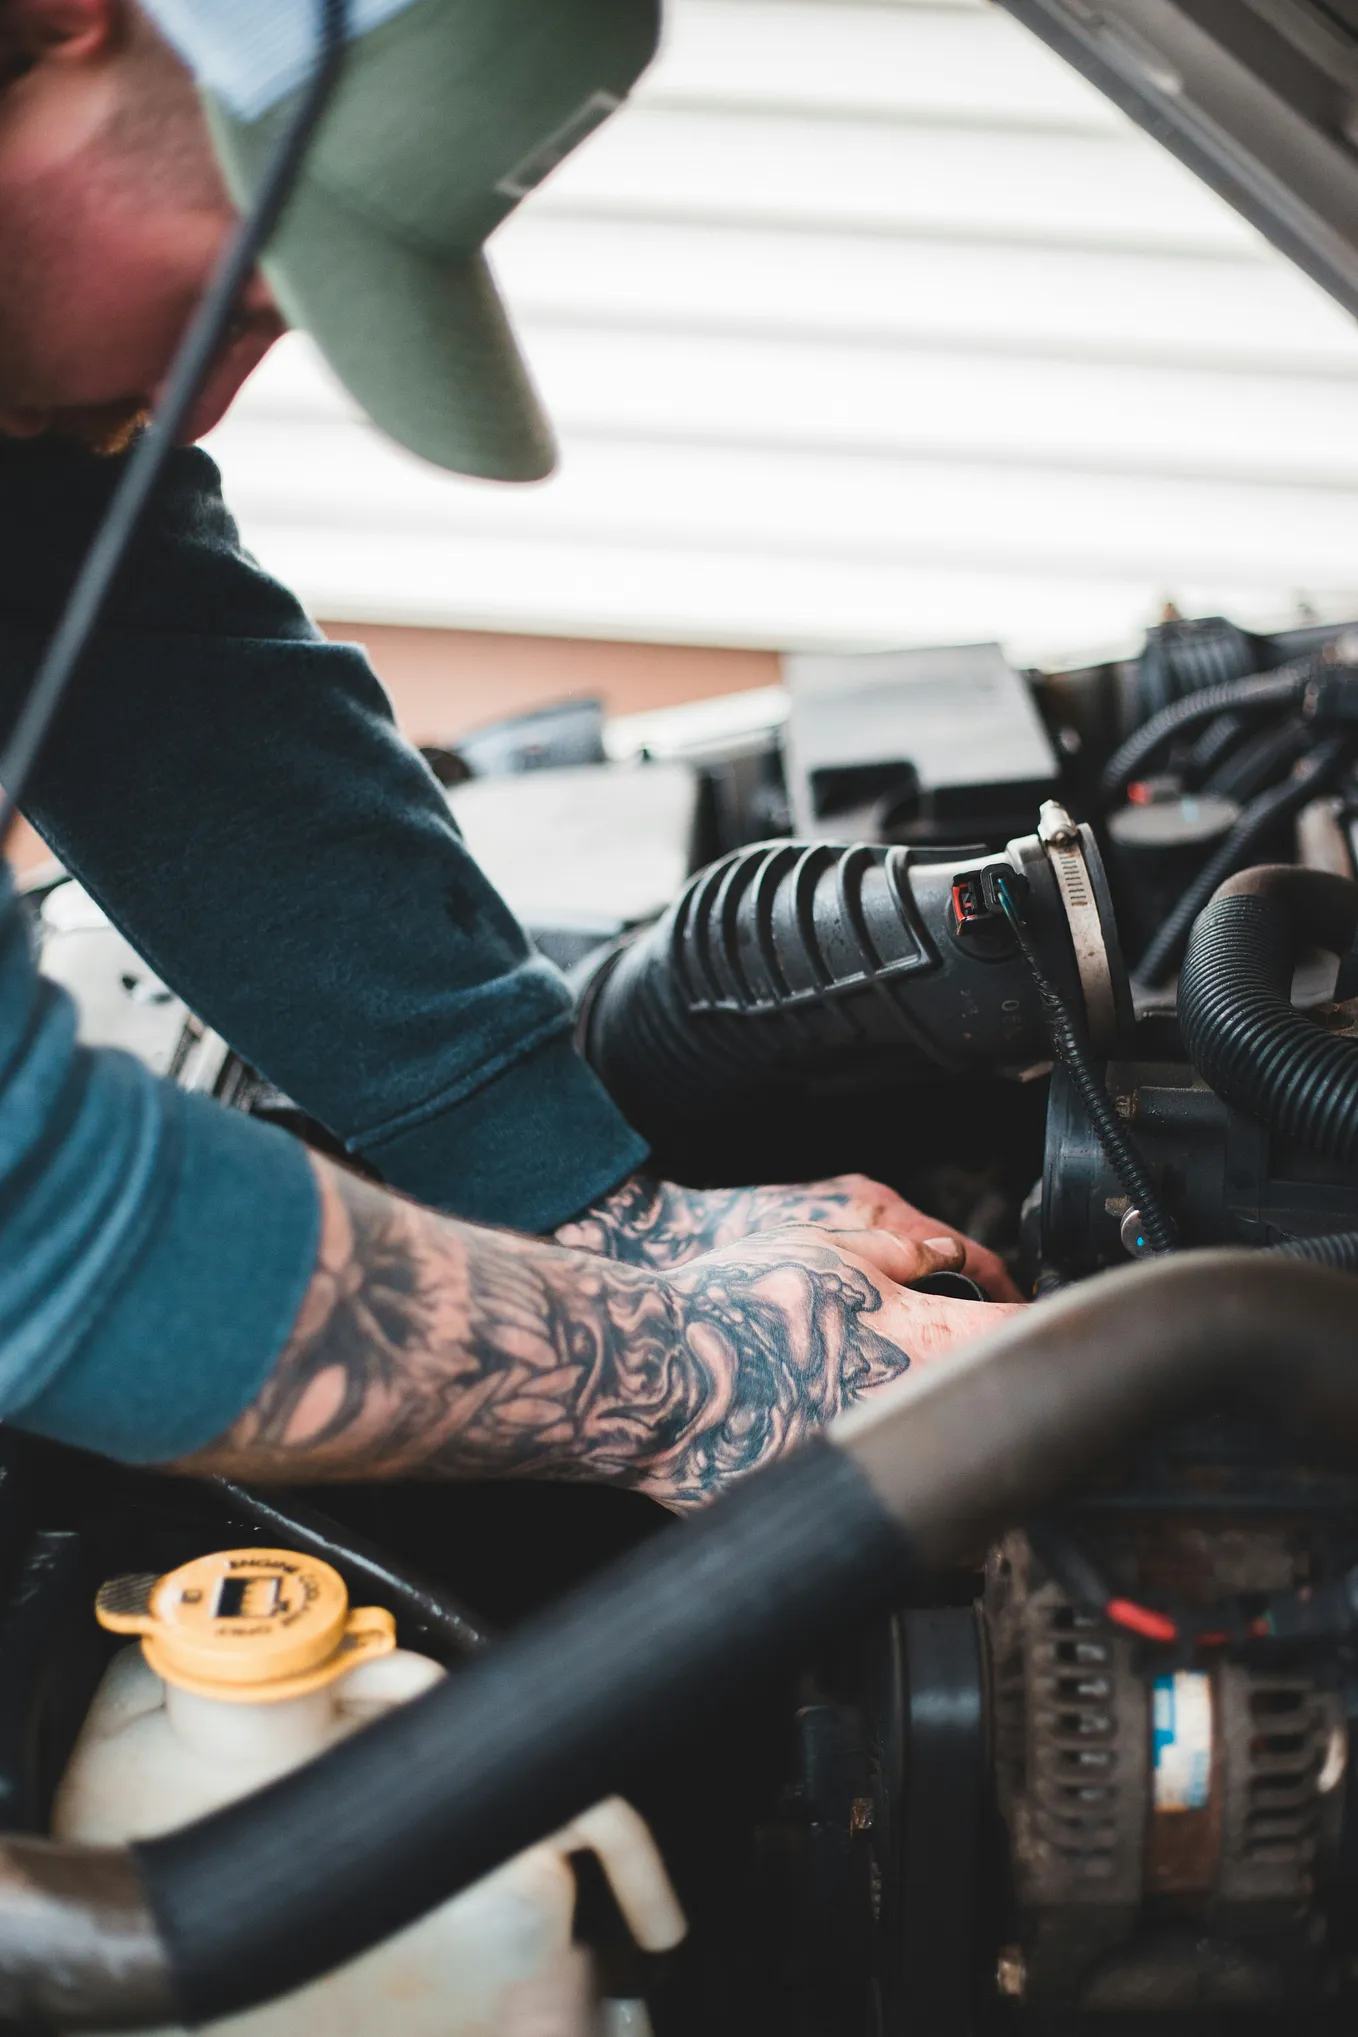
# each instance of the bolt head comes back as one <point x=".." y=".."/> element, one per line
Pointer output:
<point x="861" y="1815"/>
<point x="1132" y="1234"/>
<point x="1011" y="1973"/>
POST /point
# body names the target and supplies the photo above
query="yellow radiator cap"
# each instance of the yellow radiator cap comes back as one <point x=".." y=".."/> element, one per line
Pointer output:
<point x="249" y="1625"/>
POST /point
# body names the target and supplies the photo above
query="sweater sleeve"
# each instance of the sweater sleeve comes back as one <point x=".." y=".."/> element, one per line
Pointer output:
<point x="233" y="791"/>
<point x="154" y="1248"/>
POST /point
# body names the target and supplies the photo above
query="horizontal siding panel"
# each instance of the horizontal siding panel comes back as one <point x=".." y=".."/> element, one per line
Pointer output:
<point x="867" y="324"/>
<point x="625" y="496"/>
<point x="819" y="601"/>
<point x="1245" y="306"/>
<point x="931" y="63"/>
<point x="664" y="162"/>
<point x="874" y="399"/>
<point x="818" y="395"/>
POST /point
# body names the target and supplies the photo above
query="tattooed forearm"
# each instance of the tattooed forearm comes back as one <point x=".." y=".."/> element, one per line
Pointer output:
<point x="429" y="1348"/>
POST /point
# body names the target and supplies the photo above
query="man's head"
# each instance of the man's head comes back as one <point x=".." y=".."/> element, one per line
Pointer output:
<point x="112" y="214"/>
<point x="445" y="116"/>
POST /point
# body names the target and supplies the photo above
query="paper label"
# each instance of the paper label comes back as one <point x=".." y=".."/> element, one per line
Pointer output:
<point x="1181" y="1740"/>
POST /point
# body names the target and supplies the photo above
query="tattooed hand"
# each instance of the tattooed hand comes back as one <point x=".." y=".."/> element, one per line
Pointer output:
<point x="655" y="1223"/>
<point x="426" y="1347"/>
<point x="781" y="1333"/>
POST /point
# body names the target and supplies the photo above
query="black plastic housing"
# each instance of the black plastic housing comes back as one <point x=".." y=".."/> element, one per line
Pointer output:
<point x="1225" y="1177"/>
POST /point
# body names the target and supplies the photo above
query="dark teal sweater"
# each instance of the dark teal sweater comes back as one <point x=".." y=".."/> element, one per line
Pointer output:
<point x="231" y="788"/>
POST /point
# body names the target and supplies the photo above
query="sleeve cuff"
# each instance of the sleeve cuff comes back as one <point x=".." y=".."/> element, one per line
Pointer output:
<point x="197" y="1326"/>
<point x="532" y="1149"/>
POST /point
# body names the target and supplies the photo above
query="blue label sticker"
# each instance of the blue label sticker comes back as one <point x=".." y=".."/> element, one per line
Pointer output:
<point x="1181" y="1740"/>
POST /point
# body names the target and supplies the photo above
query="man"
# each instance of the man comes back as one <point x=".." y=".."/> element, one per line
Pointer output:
<point x="176" y="1285"/>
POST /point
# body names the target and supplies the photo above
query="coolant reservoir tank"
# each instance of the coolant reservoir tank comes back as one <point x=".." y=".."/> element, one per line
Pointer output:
<point x="251" y="1661"/>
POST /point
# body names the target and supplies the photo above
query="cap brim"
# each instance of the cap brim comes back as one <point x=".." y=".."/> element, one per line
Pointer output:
<point x="423" y="344"/>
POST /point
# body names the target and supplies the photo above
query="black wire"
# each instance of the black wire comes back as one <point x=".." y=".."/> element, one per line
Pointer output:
<point x="1118" y="1149"/>
<point x="1166" y="950"/>
<point x="1260" y="761"/>
<point x="1262" y="693"/>
<point x="1079" y="1578"/>
<point x="146" y="463"/>
<point x="1211" y="747"/>
<point x="294" y="1525"/>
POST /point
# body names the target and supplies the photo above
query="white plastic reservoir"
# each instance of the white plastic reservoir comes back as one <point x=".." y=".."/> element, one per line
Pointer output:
<point x="250" y="1662"/>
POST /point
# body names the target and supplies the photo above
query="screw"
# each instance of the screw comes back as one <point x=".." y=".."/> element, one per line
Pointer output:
<point x="1011" y="1973"/>
<point x="1132" y="1234"/>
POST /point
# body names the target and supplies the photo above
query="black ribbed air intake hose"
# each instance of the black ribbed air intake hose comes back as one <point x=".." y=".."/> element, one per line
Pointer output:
<point x="1235" y="1011"/>
<point x="1263" y="694"/>
<point x="793" y="962"/>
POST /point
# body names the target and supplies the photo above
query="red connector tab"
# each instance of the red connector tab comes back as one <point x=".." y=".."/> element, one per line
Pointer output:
<point x="976" y="898"/>
<point x="1152" y="1626"/>
<point x="968" y="905"/>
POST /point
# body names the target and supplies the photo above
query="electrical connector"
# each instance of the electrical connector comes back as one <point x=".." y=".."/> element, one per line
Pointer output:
<point x="976" y="894"/>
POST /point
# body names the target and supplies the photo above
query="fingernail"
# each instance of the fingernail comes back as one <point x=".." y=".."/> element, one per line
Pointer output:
<point x="949" y="1245"/>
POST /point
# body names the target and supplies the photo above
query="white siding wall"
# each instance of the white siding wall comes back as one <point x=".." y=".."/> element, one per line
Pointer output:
<point x="867" y="323"/>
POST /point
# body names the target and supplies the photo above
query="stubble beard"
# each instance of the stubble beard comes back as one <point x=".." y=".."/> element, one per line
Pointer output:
<point x="156" y="138"/>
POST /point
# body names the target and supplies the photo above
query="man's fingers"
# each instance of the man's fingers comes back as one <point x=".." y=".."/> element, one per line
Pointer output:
<point x="900" y="1259"/>
<point x="873" y="1205"/>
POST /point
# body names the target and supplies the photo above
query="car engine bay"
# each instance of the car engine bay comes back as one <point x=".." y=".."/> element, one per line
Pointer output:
<point x="1099" y="1010"/>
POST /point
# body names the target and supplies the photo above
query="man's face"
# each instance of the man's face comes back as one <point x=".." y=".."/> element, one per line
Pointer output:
<point x="112" y="215"/>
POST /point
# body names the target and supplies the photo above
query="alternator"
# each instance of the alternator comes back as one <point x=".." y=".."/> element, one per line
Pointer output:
<point x="1172" y="1815"/>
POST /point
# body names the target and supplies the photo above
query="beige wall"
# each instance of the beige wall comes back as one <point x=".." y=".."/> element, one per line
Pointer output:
<point x="443" y="682"/>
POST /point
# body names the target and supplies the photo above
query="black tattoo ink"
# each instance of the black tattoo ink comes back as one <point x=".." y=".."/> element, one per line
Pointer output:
<point x="432" y="1349"/>
<point x="653" y="1223"/>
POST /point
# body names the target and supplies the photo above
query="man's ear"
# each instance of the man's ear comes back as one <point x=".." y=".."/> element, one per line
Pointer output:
<point x="67" y="31"/>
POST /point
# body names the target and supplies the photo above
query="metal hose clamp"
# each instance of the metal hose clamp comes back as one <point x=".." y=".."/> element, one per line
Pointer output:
<point x="1061" y="839"/>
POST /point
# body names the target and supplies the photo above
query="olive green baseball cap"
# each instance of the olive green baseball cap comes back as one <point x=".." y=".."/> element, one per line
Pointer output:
<point x="447" y="114"/>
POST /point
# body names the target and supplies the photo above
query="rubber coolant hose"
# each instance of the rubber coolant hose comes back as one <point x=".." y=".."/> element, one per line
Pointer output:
<point x="267" y="1893"/>
<point x="271" y="1890"/>
<point x="1239" y="1027"/>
